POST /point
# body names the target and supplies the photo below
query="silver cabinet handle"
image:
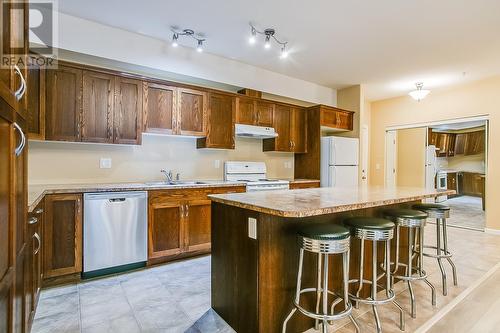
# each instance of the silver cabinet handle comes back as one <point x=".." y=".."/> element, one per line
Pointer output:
<point x="182" y="210"/>
<point x="37" y="236"/>
<point x="186" y="210"/>
<point x="19" y="149"/>
<point x="39" y="211"/>
<point x="32" y="220"/>
<point x="19" y="93"/>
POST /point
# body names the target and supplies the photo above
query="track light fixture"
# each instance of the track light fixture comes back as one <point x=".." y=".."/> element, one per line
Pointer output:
<point x="188" y="33"/>
<point x="269" y="34"/>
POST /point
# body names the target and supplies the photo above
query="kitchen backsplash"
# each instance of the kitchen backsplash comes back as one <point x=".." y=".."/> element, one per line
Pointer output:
<point x="472" y="163"/>
<point x="62" y="163"/>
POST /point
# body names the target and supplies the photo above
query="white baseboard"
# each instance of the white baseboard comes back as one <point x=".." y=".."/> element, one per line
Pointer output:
<point x="492" y="231"/>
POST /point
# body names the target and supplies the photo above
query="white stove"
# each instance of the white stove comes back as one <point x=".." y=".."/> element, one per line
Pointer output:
<point x="254" y="175"/>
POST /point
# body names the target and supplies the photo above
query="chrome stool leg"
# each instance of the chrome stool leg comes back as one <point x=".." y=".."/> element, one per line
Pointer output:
<point x="297" y="290"/>
<point x="438" y="253"/>
<point x="445" y="241"/>
<point x="318" y="291"/>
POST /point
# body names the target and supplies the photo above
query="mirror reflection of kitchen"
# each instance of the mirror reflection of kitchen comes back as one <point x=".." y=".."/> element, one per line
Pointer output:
<point x="444" y="156"/>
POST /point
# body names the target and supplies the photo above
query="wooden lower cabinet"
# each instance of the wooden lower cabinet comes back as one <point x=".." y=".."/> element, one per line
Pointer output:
<point x="62" y="231"/>
<point x="33" y="265"/>
<point x="295" y="185"/>
<point x="180" y="222"/>
<point x="471" y="184"/>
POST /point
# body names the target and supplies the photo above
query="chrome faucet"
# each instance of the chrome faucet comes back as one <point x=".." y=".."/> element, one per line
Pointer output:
<point x="169" y="175"/>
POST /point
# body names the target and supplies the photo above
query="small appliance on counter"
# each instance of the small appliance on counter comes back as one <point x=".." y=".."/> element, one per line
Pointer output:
<point x="339" y="161"/>
<point x="115" y="232"/>
<point x="254" y="175"/>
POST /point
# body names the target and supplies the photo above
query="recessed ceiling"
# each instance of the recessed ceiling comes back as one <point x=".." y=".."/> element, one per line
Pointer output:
<point x="388" y="45"/>
<point x="460" y="125"/>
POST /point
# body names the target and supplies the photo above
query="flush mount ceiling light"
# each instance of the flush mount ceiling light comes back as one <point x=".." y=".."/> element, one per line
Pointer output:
<point x="420" y="93"/>
<point x="269" y="36"/>
<point x="188" y="33"/>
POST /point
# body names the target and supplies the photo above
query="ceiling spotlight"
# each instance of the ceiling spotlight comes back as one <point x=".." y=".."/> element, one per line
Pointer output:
<point x="269" y="34"/>
<point x="420" y="93"/>
<point x="253" y="38"/>
<point x="199" y="48"/>
<point x="284" y="52"/>
<point x="188" y="33"/>
<point x="175" y="37"/>
<point x="267" y="43"/>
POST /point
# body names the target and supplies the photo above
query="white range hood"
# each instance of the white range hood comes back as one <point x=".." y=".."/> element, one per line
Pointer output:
<point x="257" y="132"/>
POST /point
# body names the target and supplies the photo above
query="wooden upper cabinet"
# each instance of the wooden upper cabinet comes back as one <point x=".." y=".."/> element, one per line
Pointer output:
<point x="245" y="113"/>
<point x="128" y="111"/>
<point x="335" y="118"/>
<point x="220" y="125"/>
<point x="192" y="111"/>
<point x="160" y="108"/>
<point x="264" y="112"/>
<point x="475" y="143"/>
<point x="62" y="231"/>
<point x="97" y="112"/>
<point x="63" y="104"/>
<point x="281" y="123"/>
<point x="460" y="144"/>
<point x="298" y="130"/>
<point x="36" y="103"/>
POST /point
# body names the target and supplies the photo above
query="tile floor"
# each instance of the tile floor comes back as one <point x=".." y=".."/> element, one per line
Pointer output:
<point x="176" y="297"/>
<point x="467" y="212"/>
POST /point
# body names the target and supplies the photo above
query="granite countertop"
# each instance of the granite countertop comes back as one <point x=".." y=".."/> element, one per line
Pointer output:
<point x="37" y="192"/>
<point x="459" y="170"/>
<point x="326" y="200"/>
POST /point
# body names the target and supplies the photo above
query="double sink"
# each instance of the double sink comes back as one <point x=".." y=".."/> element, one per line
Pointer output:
<point x="176" y="182"/>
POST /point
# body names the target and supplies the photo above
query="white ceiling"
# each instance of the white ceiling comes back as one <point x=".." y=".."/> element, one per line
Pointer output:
<point x="388" y="45"/>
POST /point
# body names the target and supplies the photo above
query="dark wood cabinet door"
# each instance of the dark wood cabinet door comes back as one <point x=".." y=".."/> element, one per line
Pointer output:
<point x="450" y="144"/>
<point x="62" y="231"/>
<point x="33" y="271"/>
<point x="98" y="104"/>
<point x="220" y="125"/>
<point x="197" y="231"/>
<point x="63" y="104"/>
<point x="245" y="112"/>
<point x="128" y="111"/>
<point x="298" y="130"/>
<point x="192" y="112"/>
<point x="14" y="21"/>
<point x="475" y="143"/>
<point x="36" y="103"/>
<point x="282" y="127"/>
<point x="264" y="112"/>
<point x="160" y="109"/>
<point x="165" y="229"/>
<point x="460" y="144"/>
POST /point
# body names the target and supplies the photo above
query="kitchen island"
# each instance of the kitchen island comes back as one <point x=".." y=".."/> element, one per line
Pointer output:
<point x="255" y="249"/>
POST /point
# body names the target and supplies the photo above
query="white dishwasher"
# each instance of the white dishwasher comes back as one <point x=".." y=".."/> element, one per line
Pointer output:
<point x="115" y="231"/>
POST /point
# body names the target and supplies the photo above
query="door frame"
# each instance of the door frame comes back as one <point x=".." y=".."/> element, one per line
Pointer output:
<point x="391" y="138"/>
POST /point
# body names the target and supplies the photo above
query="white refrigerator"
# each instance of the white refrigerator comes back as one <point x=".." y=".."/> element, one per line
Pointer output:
<point x="339" y="161"/>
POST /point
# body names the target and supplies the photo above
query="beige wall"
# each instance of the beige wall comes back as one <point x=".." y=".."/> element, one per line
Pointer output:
<point x="472" y="163"/>
<point x="351" y="99"/>
<point x="62" y="162"/>
<point x="473" y="99"/>
<point x="410" y="165"/>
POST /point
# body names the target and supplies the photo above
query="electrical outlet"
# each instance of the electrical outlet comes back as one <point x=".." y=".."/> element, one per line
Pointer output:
<point x="105" y="163"/>
<point x="217" y="164"/>
<point x="252" y="228"/>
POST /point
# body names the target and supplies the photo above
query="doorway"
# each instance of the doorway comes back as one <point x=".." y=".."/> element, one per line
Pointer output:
<point x="446" y="155"/>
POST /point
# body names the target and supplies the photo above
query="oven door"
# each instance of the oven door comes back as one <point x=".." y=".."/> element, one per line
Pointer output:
<point x="442" y="184"/>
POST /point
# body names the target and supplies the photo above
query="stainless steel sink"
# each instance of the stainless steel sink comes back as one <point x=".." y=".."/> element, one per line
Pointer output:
<point x="175" y="182"/>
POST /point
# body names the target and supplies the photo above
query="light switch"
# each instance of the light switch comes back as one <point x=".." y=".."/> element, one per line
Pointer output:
<point x="252" y="228"/>
<point x="105" y="163"/>
<point x="377" y="166"/>
<point x="217" y="164"/>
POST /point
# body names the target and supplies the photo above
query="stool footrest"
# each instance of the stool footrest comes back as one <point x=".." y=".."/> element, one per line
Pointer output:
<point x="422" y="275"/>
<point x="329" y="317"/>
<point x="371" y="301"/>
<point x="446" y="254"/>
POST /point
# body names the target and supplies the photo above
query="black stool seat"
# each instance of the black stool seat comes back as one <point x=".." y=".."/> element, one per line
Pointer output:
<point x="324" y="232"/>
<point x="369" y="223"/>
<point x="406" y="213"/>
<point x="431" y="206"/>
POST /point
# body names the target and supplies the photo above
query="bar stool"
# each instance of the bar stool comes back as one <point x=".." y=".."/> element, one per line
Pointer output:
<point x="414" y="221"/>
<point x="440" y="213"/>
<point x="324" y="240"/>
<point x="376" y="230"/>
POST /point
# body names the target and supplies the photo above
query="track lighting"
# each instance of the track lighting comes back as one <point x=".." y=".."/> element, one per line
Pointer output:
<point x="175" y="37"/>
<point x="253" y="37"/>
<point x="188" y="33"/>
<point x="199" y="48"/>
<point x="269" y="34"/>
